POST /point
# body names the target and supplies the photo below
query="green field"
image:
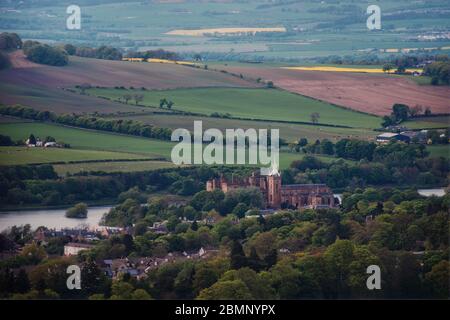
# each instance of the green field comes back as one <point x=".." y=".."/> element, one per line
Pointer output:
<point x="90" y="145"/>
<point x="439" y="151"/>
<point x="265" y="104"/>
<point x="89" y="139"/>
<point x="428" y="123"/>
<point x="288" y="131"/>
<point x="24" y="155"/>
<point x="422" y="80"/>
<point x="113" y="166"/>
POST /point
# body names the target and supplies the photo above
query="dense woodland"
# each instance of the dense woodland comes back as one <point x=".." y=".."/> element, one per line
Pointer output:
<point x="290" y="255"/>
<point x="294" y="254"/>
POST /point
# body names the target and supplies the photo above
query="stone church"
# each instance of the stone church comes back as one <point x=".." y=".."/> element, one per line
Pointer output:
<point x="277" y="195"/>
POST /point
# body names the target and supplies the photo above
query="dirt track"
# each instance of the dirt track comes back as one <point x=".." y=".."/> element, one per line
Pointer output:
<point x="363" y="92"/>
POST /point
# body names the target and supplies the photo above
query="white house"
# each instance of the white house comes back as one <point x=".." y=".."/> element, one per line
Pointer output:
<point x="50" y="144"/>
<point x="73" y="248"/>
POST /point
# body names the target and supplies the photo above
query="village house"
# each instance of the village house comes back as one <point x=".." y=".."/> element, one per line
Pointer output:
<point x="110" y="231"/>
<point x="159" y="227"/>
<point x="40" y="143"/>
<point x="139" y="267"/>
<point x="73" y="248"/>
<point x="75" y="234"/>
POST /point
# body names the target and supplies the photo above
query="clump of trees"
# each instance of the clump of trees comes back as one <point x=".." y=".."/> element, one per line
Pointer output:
<point x="44" y="54"/>
<point x="10" y="41"/>
<point x="4" y="61"/>
<point x="79" y="211"/>
<point x="439" y="72"/>
<point x="238" y="201"/>
<point x="395" y="165"/>
<point x="164" y="103"/>
<point x="402" y="112"/>
<point x="154" y="54"/>
<point x="103" y="52"/>
<point x="353" y="149"/>
<point x="70" y="49"/>
<point x="6" y="141"/>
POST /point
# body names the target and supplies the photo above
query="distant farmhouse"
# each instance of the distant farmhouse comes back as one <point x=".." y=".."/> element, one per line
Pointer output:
<point x="387" y="137"/>
<point x="277" y="195"/>
<point x="39" y="143"/>
<point x="404" y="136"/>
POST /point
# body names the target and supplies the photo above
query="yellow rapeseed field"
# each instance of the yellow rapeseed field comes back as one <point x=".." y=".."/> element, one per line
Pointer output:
<point x="345" y="69"/>
<point x="201" y="32"/>
<point x="158" y="61"/>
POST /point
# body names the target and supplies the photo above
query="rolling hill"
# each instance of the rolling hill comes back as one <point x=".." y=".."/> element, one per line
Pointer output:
<point x="370" y="93"/>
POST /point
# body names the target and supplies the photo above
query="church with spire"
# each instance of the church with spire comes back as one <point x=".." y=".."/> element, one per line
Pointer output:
<point x="275" y="194"/>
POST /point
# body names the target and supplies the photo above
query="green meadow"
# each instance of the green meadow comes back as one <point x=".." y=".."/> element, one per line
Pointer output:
<point x="112" y="166"/>
<point x="263" y="104"/>
<point x="288" y="131"/>
<point x="88" y="145"/>
<point x="428" y="123"/>
<point x="90" y="139"/>
<point x="24" y="155"/>
<point x="439" y="151"/>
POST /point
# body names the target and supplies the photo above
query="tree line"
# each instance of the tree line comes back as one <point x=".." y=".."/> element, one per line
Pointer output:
<point x="154" y="54"/>
<point x="353" y="149"/>
<point x="131" y="127"/>
<point x="40" y="185"/>
<point x="396" y="168"/>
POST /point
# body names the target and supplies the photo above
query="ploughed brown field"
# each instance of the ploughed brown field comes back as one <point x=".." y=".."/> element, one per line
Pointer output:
<point x="42" y="86"/>
<point x="108" y="73"/>
<point x="371" y="93"/>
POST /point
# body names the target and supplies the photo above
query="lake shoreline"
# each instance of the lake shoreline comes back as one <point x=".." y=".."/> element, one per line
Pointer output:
<point x="52" y="219"/>
<point x="108" y="202"/>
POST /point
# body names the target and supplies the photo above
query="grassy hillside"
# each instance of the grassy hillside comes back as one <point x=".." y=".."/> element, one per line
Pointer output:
<point x="267" y="104"/>
<point x="55" y="99"/>
<point x="88" y="139"/>
<point x="94" y="145"/>
<point x="109" y="73"/>
<point x="288" y="131"/>
<point x="113" y="166"/>
<point x="439" y="151"/>
<point x="428" y="123"/>
<point x="24" y="155"/>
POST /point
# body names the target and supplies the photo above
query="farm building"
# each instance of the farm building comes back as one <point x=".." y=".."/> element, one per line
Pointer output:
<point x="389" y="136"/>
